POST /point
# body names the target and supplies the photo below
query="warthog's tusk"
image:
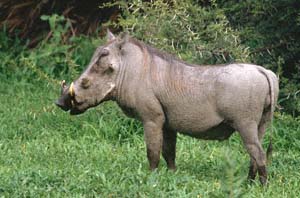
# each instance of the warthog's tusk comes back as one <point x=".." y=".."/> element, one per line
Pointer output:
<point x="71" y="90"/>
<point x="63" y="83"/>
<point x="72" y="103"/>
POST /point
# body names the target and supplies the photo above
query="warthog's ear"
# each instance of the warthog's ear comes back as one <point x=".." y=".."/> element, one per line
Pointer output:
<point x="124" y="35"/>
<point x="110" y="36"/>
<point x="123" y="38"/>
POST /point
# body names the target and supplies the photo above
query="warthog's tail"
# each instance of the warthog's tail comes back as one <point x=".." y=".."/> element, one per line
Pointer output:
<point x="268" y="75"/>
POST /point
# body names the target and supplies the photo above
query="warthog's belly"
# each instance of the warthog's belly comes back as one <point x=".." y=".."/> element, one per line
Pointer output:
<point x="220" y="132"/>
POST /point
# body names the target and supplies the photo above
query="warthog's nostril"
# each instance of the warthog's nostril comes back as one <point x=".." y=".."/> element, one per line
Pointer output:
<point x="85" y="83"/>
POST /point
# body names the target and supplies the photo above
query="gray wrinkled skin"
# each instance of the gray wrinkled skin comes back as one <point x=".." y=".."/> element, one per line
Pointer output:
<point x="168" y="96"/>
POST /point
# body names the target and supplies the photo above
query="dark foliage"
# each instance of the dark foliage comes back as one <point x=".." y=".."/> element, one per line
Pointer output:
<point x="23" y="16"/>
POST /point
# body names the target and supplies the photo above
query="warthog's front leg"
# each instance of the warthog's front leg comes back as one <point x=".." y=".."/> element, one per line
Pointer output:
<point x="169" y="147"/>
<point x="153" y="138"/>
<point x="252" y="169"/>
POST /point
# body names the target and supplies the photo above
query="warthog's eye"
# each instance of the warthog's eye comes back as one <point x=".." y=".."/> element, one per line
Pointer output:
<point x="104" y="52"/>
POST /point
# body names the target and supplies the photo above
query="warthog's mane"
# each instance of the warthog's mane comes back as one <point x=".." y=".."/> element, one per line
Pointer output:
<point x="171" y="58"/>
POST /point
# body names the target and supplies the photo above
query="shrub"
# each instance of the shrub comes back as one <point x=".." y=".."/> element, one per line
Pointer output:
<point x="53" y="58"/>
<point x="194" y="33"/>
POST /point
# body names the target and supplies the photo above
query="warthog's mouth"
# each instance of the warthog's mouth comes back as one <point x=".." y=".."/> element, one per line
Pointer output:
<point x="72" y="106"/>
<point x="75" y="111"/>
<point x="76" y="107"/>
<point x="68" y="102"/>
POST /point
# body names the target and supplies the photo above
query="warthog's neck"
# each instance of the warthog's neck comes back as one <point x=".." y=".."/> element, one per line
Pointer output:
<point x="119" y="83"/>
<point x="131" y="78"/>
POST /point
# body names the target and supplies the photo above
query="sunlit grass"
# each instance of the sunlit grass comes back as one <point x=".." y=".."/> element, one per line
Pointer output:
<point x="44" y="152"/>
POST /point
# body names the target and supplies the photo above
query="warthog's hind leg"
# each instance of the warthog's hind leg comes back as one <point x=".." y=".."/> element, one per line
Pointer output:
<point x="249" y="134"/>
<point x="261" y="132"/>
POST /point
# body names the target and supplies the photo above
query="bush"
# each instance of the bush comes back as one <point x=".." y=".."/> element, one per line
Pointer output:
<point x="53" y="58"/>
<point x="196" y="34"/>
<point x="9" y="50"/>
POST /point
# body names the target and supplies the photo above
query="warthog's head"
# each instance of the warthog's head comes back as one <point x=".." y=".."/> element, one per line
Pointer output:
<point x="97" y="83"/>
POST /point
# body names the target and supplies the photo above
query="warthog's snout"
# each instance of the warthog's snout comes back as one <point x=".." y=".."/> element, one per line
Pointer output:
<point x="65" y="100"/>
<point x="62" y="102"/>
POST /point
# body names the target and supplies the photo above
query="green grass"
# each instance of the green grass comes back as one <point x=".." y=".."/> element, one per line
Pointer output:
<point x="44" y="152"/>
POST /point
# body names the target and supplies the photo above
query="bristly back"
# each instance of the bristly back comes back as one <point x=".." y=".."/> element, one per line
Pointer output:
<point x="154" y="51"/>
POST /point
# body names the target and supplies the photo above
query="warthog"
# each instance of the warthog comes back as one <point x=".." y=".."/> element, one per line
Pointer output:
<point x="169" y="95"/>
